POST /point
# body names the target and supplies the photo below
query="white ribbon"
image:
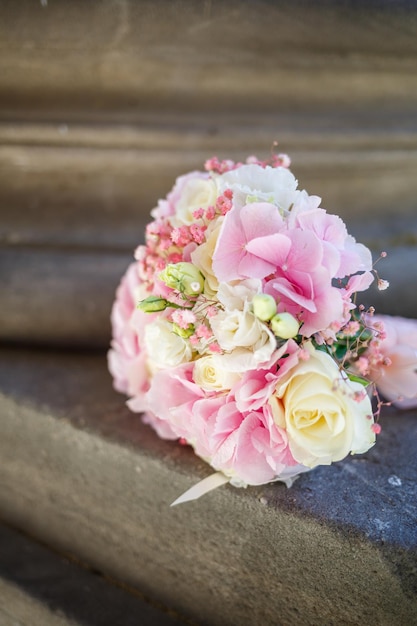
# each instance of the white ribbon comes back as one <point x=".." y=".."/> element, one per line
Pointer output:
<point x="287" y="476"/>
<point x="204" y="486"/>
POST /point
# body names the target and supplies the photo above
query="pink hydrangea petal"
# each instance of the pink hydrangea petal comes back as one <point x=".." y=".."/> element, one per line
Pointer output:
<point x="260" y="219"/>
<point x="359" y="282"/>
<point x="292" y="291"/>
<point x="232" y="258"/>
<point x="306" y="251"/>
<point x="161" y="427"/>
<point x="176" y="402"/>
<point x="327" y="227"/>
<point x="272" y="249"/>
<point x="355" y="257"/>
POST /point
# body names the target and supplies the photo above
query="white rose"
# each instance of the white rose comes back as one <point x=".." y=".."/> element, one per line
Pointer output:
<point x="315" y="405"/>
<point x="237" y="295"/>
<point x="245" y="337"/>
<point x="197" y="193"/>
<point x="163" y="347"/>
<point x="253" y="183"/>
<point x="210" y="376"/>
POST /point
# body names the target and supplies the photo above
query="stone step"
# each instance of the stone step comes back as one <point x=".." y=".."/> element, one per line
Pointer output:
<point x="84" y="475"/>
<point x="122" y="59"/>
<point x="58" y="297"/>
<point x="94" y="185"/>
<point x="39" y="587"/>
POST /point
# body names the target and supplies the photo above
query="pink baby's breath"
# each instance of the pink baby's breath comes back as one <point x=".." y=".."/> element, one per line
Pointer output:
<point x="203" y="332"/>
<point x="214" y="347"/>
<point x="183" y="318"/>
<point x="376" y="428"/>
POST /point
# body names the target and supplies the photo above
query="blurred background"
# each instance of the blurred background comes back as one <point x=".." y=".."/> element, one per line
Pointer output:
<point x="104" y="103"/>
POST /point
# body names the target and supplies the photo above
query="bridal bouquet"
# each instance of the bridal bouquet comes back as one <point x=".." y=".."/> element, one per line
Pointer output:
<point x="237" y="330"/>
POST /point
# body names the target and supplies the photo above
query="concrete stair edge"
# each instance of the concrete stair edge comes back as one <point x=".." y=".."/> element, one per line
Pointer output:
<point x="39" y="587"/>
<point x="83" y="474"/>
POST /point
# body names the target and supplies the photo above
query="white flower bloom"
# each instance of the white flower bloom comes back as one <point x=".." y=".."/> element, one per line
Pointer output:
<point x="304" y="203"/>
<point x="164" y="347"/>
<point x="235" y="296"/>
<point x="211" y="376"/>
<point x="382" y="284"/>
<point x="248" y="341"/>
<point x="316" y="406"/>
<point x="197" y="193"/>
<point x="253" y="183"/>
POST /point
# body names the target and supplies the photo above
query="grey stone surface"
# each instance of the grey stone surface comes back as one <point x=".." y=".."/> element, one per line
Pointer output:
<point x="83" y="474"/>
<point x="95" y="184"/>
<point x="41" y="588"/>
<point x="58" y="297"/>
<point x="219" y="55"/>
<point x="19" y="609"/>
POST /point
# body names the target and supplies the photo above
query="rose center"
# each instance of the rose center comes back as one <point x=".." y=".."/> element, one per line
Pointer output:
<point x="317" y="422"/>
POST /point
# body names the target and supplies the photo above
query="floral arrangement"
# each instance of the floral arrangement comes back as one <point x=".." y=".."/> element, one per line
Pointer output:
<point x="237" y="330"/>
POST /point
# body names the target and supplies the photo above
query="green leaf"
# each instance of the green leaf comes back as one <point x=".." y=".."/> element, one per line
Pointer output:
<point x="358" y="379"/>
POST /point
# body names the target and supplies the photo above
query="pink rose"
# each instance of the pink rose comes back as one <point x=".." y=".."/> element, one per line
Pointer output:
<point x="397" y="379"/>
<point x="127" y="359"/>
<point x="171" y="398"/>
<point x="161" y="427"/>
<point x="124" y="358"/>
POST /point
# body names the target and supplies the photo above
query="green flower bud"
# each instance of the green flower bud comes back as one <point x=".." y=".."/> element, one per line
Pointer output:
<point x="183" y="332"/>
<point x="264" y="306"/>
<point x="184" y="277"/>
<point x="153" y="304"/>
<point x="284" y="325"/>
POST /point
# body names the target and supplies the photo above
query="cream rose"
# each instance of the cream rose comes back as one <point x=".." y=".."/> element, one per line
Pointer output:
<point x="237" y="295"/>
<point x="163" y="347"/>
<point x="316" y="406"/>
<point x="202" y="257"/>
<point x="211" y="376"/>
<point x="197" y="193"/>
<point x="248" y="341"/>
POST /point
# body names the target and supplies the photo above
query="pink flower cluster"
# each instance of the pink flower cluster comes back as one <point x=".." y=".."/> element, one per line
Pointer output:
<point x="300" y="260"/>
<point x="236" y="331"/>
<point x="391" y="360"/>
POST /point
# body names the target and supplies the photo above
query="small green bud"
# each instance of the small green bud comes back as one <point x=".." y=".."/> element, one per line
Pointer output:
<point x="284" y="325"/>
<point x="264" y="306"/>
<point x="183" y="332"/>
<point x="153" y="304"/>
<point x="184" y="277"/>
